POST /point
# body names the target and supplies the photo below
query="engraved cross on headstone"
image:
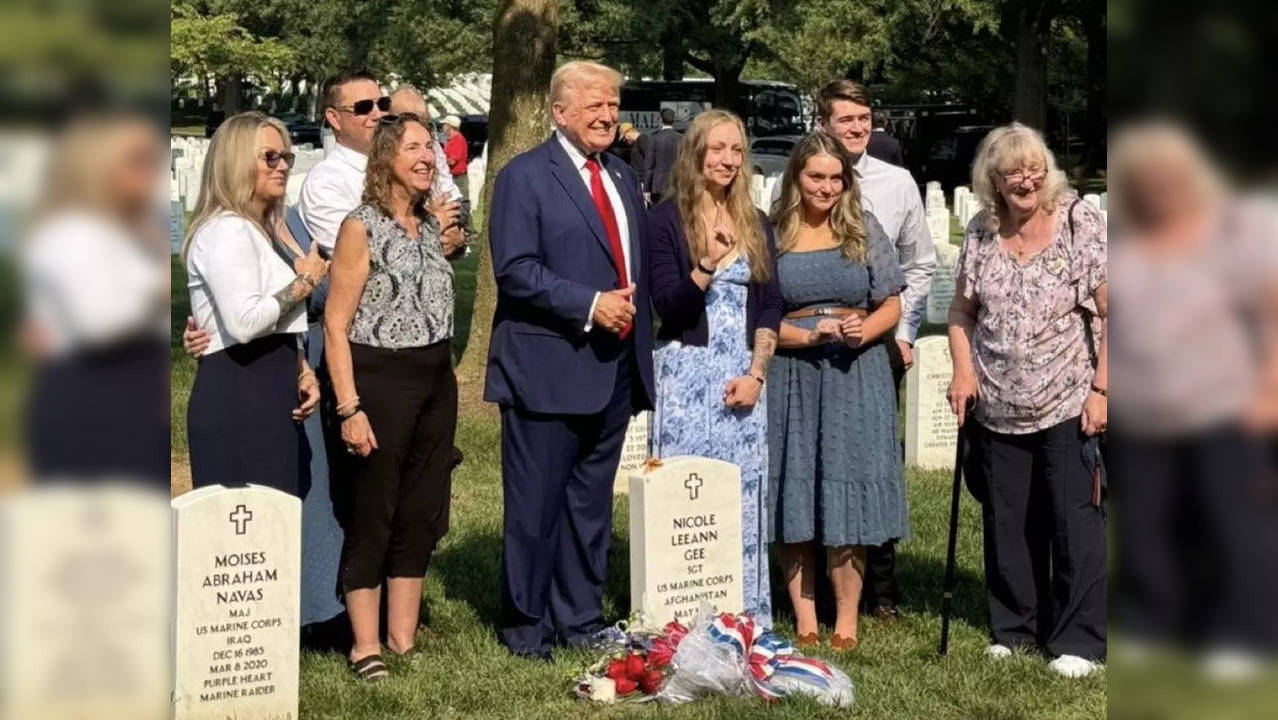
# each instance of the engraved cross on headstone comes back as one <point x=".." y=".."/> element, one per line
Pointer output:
<point x="241" y="518"/>
<point x="693" y="483"/>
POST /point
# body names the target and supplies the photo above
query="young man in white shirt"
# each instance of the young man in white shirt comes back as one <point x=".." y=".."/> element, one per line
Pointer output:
<point x="890" y="193"/>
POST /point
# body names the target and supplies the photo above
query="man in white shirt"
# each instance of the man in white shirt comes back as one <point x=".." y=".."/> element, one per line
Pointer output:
<point x="353" y="103"/>
<point x="890" y="193"/>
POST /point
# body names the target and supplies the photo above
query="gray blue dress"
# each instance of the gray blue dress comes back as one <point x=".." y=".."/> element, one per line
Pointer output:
<point x="835" y="473"/>
<point x="691" y="419"/>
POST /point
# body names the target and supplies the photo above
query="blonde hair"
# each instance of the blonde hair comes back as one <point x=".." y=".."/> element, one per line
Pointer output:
<point x="1147" y="145"/>
<point x="1007" y="147"/>
<point x="575" y="73"/>
<point x="379" y="175"/>
<point x="846" y="219"/>
<point x="689" y="184"/>
<point x="229" y="176"/>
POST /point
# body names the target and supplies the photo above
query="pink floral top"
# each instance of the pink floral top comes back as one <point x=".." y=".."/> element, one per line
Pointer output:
<point x="1029" y="347"/>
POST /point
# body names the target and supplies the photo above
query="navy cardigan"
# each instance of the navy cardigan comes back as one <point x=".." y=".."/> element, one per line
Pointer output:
<point x="678" y="301"/>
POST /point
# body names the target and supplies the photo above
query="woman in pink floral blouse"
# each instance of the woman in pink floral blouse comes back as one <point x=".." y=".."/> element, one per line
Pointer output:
<point x="1027" y="334"/>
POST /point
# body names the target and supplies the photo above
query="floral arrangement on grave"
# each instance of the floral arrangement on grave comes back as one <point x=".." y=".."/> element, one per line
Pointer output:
<point x="718" y="655"/>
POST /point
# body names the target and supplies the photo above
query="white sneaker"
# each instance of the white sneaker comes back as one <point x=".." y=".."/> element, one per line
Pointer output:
<point x="998" y="651"/>
<point x="1073" y="666"/>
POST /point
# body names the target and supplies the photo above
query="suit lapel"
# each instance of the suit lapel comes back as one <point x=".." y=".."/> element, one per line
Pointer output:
<point x="569" y="177"/>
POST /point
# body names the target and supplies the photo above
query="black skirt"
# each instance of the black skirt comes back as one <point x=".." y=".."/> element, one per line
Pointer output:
<point x="239" y="421"/>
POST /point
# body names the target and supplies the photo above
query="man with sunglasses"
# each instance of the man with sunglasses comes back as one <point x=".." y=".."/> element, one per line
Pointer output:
<point x="353" y="103"/>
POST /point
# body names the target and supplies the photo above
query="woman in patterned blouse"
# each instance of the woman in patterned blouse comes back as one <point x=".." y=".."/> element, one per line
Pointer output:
<point x="1027" y="334"/>
<point x="387" y="327"/>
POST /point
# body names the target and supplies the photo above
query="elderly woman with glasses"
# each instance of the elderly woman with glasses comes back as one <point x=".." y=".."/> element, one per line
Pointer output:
<point x="1027" y="336"/>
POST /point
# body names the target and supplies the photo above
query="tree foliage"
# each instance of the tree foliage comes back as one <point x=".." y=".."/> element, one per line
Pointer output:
<point x="217" y="45"/>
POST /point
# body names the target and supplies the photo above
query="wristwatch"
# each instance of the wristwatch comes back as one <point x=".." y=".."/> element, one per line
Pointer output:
<point x="704" y="270"/>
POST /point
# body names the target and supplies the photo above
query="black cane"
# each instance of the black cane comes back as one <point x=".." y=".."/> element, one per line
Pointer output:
<point x="951" y="552"/>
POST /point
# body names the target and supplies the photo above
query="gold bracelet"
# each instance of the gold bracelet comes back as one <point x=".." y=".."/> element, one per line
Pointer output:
<point x="346" y="404"/>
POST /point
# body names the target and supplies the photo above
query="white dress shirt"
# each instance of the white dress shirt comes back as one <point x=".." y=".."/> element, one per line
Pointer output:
<point x="331" y="191"/>
<point x="578" y="159"/>
<point x="891" y="195"/>
<point x="233" y="274"/>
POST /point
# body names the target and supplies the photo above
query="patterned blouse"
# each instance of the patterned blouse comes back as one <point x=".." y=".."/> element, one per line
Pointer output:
<point x="1030" y="345"/>
<point x="408" y="297"/>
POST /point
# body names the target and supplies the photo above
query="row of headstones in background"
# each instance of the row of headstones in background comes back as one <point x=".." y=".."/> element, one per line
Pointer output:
<point x="965" y="205"/>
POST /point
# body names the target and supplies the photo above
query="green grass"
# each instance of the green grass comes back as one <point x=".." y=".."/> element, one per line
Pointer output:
<point x="465" y="673"/>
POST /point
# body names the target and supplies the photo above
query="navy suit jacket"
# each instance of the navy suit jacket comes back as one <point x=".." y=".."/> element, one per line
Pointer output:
<point x="550" y="256"/>
<point x="663" y="151"/>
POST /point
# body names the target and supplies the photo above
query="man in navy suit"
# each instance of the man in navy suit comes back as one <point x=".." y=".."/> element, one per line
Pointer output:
<point x="570" y="359"/>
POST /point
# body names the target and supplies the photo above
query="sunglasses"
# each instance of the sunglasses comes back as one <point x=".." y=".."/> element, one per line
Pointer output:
<point x="364" y="107"/>
<point x="272" y="158"/>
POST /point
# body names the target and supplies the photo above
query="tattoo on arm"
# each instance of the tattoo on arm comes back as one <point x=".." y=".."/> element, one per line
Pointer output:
<point x="291" y="294"/>
<point x="765" y="345"/>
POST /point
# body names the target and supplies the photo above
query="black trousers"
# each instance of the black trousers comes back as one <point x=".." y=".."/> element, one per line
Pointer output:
<point x="394" y="503"/>
<point x="557" y="480"/>
<point x="1045" y="561"/>
<point x="1198" y="534"/>
<point x="880" y="588"/>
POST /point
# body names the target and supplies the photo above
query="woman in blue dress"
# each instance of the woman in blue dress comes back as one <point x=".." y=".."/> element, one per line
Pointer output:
<point x="713" y="279"/>
<point x="835" y="472"/>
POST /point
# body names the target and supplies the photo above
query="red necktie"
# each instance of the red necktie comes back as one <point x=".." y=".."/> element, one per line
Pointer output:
<point x="604" y="206"/>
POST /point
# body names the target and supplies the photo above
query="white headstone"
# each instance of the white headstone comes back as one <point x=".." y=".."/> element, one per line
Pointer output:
<point x="238" y="573"/>
<point x="942" y="292"/>
<point x="1104" y="201"/>
<point x="685" y="538"/>
<point x="84" y="578"/>
<point x="938" y="225"/>
<point x="931" y="430"/>
<point x="634" y="451"/>
<point x="1094" y="199"/>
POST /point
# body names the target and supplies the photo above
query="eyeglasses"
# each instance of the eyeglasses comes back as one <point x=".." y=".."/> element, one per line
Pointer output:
<point x="1016" y="178"/>
<point x="272" y="158"/>
<point x="364" y="107"/>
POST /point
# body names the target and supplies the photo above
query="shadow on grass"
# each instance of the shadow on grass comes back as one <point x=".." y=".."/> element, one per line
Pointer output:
<point x="470" y="571"/>
<point x="921" y="580"/>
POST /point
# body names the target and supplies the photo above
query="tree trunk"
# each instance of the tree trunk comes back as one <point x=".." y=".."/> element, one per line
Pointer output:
<point x="524" y="40"/>
<point x="672" y="55"/>
<point x="1031" y="40"/>
<point x="727" y="91"/>
<point x="232" y="88"/>
<point x="1096" y="31"/>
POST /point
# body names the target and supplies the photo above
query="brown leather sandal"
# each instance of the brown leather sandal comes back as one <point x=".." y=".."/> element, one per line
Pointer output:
<point x="838" y="642"/>
<point x="810" y="640"/>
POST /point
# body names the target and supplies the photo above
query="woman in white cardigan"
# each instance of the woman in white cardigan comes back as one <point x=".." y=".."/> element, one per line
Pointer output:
<point x="248" y="283"/>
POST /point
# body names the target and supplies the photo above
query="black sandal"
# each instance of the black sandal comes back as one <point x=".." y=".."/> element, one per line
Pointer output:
<point x="370" y="668"/>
